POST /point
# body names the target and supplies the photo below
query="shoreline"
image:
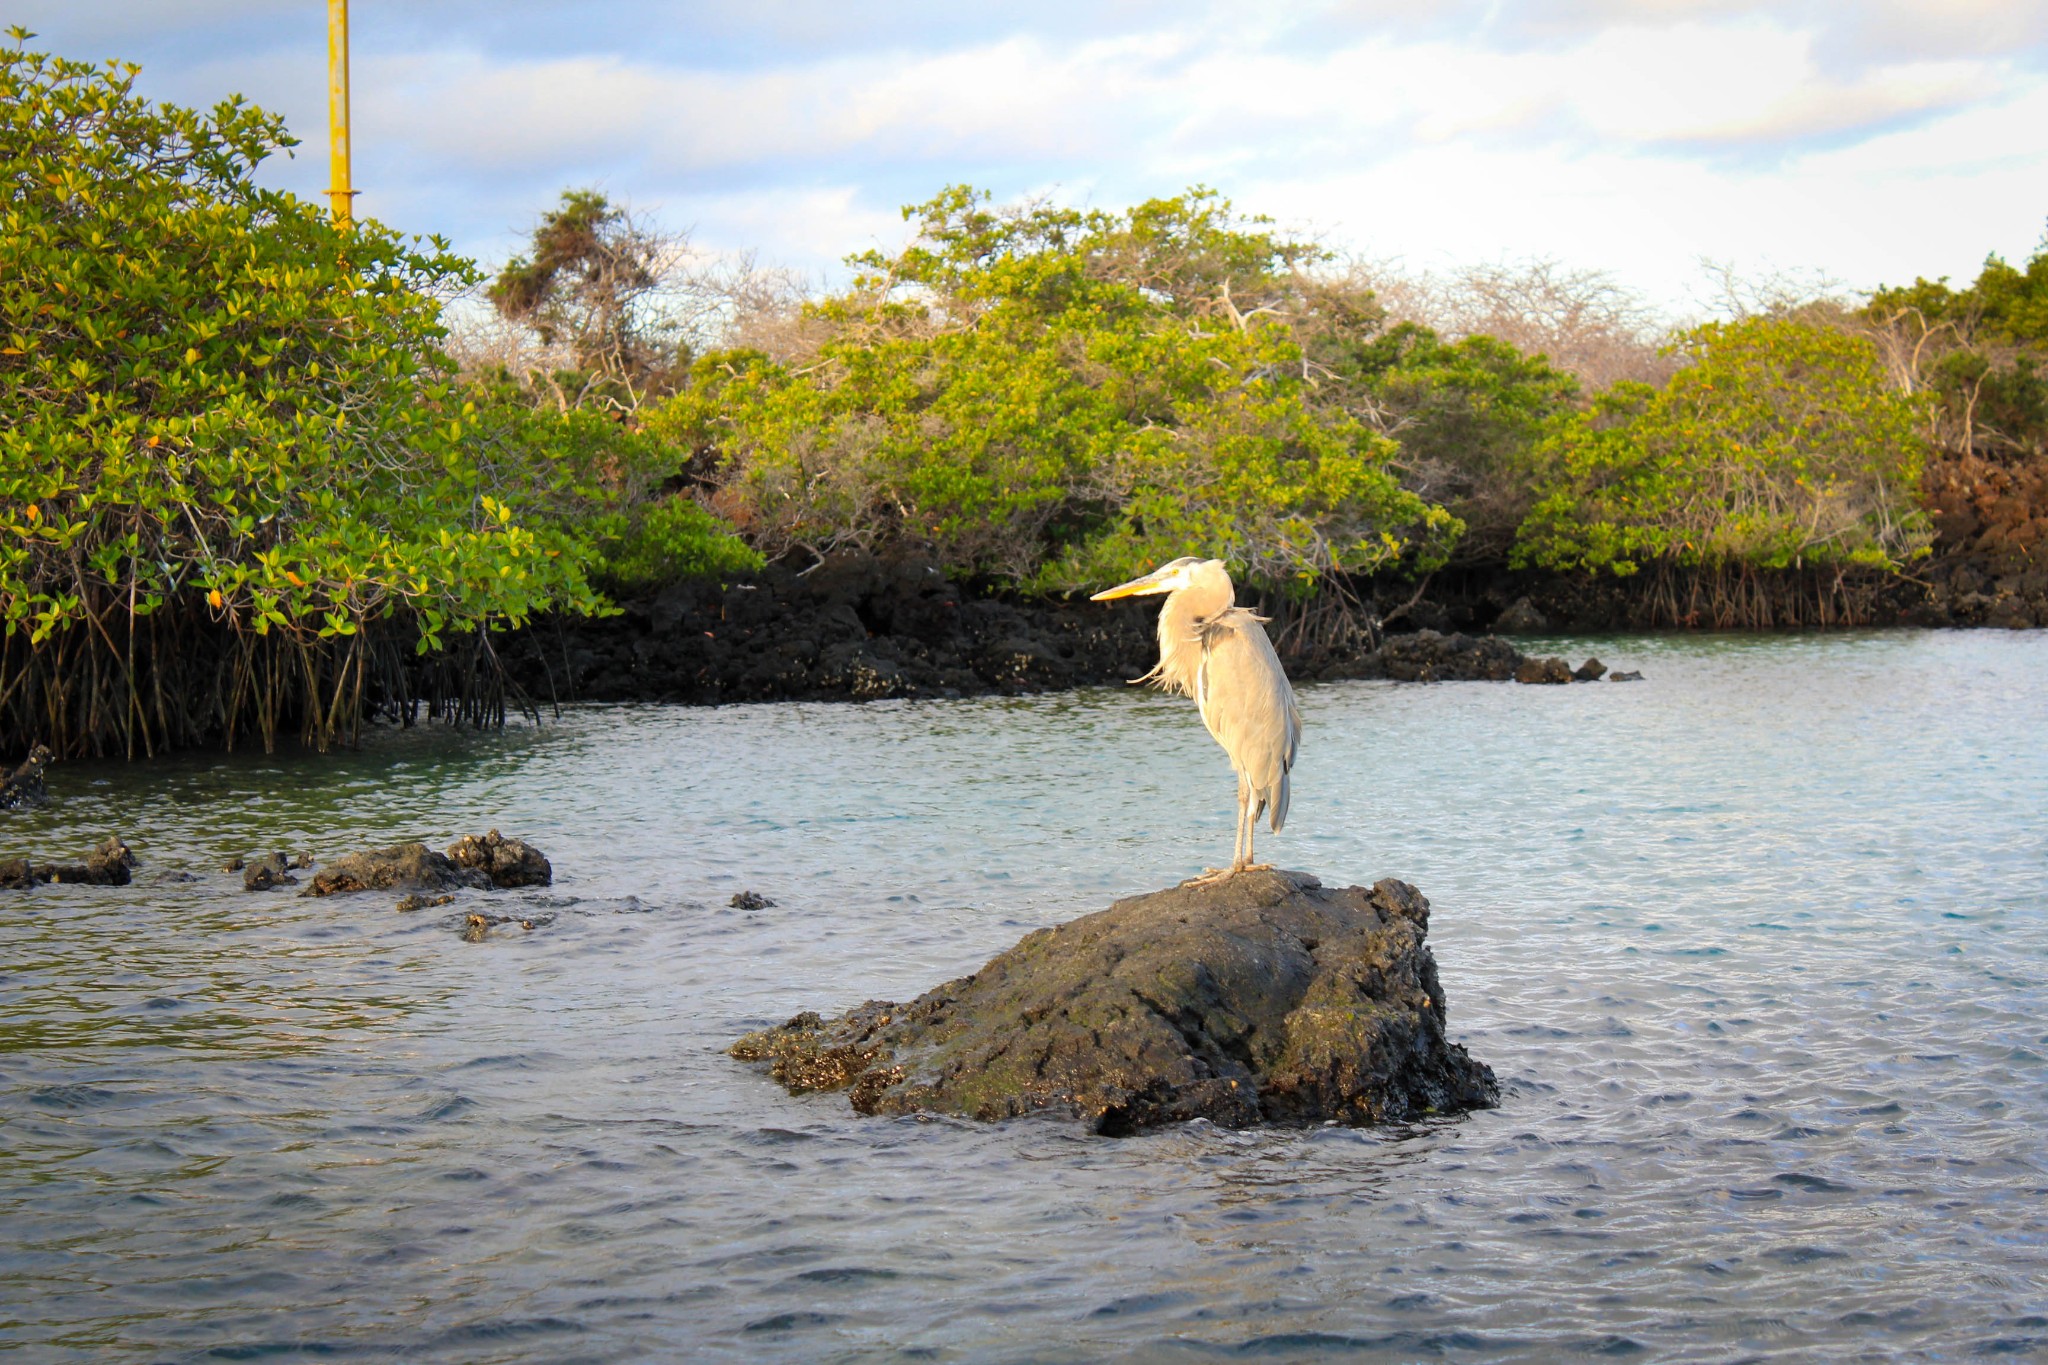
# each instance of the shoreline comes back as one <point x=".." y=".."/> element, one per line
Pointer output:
<point x="861" y="627"/>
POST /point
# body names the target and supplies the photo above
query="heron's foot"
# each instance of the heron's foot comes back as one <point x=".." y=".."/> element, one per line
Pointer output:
<point x="1212" y="875"/>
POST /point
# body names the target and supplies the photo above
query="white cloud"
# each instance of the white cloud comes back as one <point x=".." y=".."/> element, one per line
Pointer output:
<point x="1633" y="134"/>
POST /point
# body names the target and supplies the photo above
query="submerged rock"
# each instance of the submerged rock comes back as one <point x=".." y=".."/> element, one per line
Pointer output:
<point x="22" y="785"/>
<point x="1625" y="677"/>
<point x="414" y="867"/>
<point x="267" y="873"/>
<point x="1544" y="671"/>
<point x="113" y="849"/>
<point x="1265" y="998"/>
<point x="477" y="861"/>
<point x="476" y="928"/>
<point x="750" y="900"/>
<point x="107" y="865"/>
<point x="507" y="862"/>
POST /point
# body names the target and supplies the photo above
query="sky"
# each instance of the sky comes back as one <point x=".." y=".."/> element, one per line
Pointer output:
<point x="1872" y="141"/>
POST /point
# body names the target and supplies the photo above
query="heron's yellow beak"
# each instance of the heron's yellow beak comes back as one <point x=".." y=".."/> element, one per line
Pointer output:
<point x="1136" y="587"/>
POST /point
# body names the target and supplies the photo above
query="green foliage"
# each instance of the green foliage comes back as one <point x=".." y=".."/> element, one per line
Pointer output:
<point x="210" y="393"/>
<point x="1060" y="397"/>
<point x="665" y="540"/>
<point x="1780" y="444"/>
<point x="1982" y="352"/>
<point x="1469" y="416"/>
<point x="2004" y="304"/>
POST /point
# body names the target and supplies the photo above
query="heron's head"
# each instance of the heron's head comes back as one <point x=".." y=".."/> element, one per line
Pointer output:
<point x="1169" y="577"/>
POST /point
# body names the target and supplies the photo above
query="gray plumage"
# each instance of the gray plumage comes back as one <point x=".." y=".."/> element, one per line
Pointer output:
<point x="1216" y="652"/>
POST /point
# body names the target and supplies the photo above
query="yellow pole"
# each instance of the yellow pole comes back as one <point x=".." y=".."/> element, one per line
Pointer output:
<point x="342" y="193"/>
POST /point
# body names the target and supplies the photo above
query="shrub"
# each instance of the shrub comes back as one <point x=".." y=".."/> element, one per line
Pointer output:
<point x="1779" y="444"/>
<point x="665" y="540"/>
<point x="1059" y="397"/>
<point x="1468" y="416"/>
<point x="220" y="411"/>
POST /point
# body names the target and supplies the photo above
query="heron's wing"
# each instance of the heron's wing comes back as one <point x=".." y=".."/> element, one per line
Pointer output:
<point x="1248" y="706"/>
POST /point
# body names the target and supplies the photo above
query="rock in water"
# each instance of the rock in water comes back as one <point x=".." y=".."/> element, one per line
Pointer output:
<point x="415" y="867"/>
<point x="1263" y="998"/>
<point x="107" y="865"/>
<point x="480" y="861"/>
<point x="267" y="873"/>
<point x="114" y="849"/>
<point x="1427" y="656"/>
<point x="23" y="785"/>
<point x="507" y="862"/>
<point x="1544" y="671"/>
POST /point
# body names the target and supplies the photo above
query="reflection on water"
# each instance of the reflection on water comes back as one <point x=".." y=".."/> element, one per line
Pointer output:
<point x="1757" y="946"/>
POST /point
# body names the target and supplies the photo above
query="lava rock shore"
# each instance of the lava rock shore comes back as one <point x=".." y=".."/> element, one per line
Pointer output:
<point x="858" y="627"/>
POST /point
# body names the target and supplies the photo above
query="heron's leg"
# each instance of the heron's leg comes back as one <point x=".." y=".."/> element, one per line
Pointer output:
<point x="1247" y="821"/>
<point x="1211" y="875"/>
<point x="1250" y="815"/>
<point x="1240" y="854"/>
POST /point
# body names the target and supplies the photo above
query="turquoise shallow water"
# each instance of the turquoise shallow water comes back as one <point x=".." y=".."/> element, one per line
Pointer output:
<point x="1759" y="948"/>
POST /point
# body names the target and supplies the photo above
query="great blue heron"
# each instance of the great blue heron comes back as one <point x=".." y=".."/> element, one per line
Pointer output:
<point x="1217" y="652"/>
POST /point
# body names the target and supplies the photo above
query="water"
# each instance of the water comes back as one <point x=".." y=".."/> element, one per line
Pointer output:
<point x="1757" y="947"/>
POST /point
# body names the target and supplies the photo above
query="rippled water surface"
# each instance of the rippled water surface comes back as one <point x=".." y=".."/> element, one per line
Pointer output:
<point x="1759" y="948"/>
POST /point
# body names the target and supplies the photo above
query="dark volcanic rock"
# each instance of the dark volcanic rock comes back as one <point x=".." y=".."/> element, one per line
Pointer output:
<point x="107" y="865"/>
<point x="479" y="861"/>
<point x="863" y="627"/>
<point x="1625" y="677"/>
<point x="1521" y="618"/>
<point x="750" y="900"/>
<point x="1543" y="671"/>
<point x="113" y="849"/>
<point x="92" y="872"/>
<point x="414" y="867"/>
<point x="855" y="626"/>
<point x="476" y="928"/>
<point x="22" y="785"/>
<point x="267" y="873"/>
<point x="1265" y="998"/>
<point x="1429" y="656"/>
<point x="507" y="862"/>
<point x="1589" y="671"/>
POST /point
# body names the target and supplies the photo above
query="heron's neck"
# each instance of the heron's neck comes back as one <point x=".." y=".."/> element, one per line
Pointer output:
<point x="1180" y="634"/>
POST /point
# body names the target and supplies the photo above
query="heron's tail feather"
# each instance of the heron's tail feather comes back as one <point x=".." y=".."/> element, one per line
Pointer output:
<point x="1280" y="795"/>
